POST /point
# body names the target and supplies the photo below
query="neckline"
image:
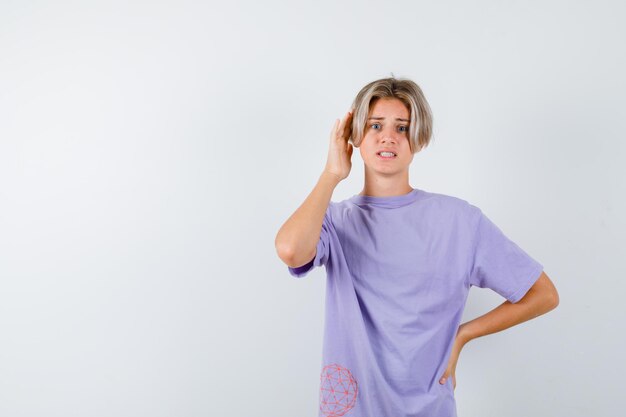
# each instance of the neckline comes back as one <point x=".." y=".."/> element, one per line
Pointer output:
<point x="388" y="202"/>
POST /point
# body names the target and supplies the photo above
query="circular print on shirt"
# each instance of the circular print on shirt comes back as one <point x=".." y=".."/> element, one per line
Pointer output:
<point x="338" y="390"/>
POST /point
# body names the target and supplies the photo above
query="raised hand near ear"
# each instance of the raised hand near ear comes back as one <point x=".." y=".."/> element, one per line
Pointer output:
<point x="339" y="160"/>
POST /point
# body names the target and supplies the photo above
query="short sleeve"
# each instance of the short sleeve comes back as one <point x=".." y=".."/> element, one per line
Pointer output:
<point x="500" y="264"/>
<point x="322" y="251"/>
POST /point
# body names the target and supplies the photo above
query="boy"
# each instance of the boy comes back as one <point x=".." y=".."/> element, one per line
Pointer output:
<point x="399" y="263"/>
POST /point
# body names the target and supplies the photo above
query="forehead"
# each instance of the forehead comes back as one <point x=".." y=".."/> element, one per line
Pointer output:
<point x="388" y="108"/>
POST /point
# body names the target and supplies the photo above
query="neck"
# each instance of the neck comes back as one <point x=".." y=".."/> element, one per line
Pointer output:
<point x="386" y="186"/>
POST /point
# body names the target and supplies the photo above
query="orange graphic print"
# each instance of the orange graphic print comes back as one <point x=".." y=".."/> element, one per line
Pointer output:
<point x="338" y="390"/>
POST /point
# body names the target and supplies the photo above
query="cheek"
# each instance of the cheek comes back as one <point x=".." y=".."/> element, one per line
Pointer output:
<point x="364" y="148"/>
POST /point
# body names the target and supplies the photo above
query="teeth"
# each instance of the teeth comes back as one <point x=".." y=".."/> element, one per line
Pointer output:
<point x="387" y="154"/>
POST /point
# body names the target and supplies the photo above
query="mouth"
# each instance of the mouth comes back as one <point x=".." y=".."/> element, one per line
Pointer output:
<point x="386" y="155"/>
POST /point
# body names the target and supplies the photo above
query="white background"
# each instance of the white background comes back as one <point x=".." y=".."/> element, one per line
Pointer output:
<point x="150" y="151"/>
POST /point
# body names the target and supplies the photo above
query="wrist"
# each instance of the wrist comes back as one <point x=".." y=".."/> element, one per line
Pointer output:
<point x="464" y="333"/>
<point x="330" y="176"/>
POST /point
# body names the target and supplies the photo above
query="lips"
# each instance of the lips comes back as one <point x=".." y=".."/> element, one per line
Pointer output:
<point x="395" y="155"/>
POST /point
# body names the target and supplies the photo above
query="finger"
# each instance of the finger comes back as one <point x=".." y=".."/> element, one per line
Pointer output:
<point x="347" y="127"/>
<point x="333" y="131"/>
<point x="348" y="130"/>
<point x="342" y="124"/>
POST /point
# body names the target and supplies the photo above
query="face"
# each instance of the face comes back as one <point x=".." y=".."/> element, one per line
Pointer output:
<point x="387" y="129"/>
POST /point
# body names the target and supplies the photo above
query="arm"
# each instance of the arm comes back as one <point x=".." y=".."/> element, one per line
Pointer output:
<point x="540" y="298"/>
<point x="296" y="241"/>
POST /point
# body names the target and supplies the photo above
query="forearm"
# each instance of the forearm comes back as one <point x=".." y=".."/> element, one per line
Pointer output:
<point x="297" y="238"/>
<point x="535" y="303"/>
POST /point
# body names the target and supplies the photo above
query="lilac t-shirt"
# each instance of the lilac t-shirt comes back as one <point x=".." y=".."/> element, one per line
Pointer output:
<point x="399" y="270"/>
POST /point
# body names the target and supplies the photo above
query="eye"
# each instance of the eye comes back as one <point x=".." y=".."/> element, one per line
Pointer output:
<point x="375" y="124"/>
<point x="403" y="127"/>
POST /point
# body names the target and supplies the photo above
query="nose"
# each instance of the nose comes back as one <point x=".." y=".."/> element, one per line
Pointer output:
<point x="388" y="139"/>
<point x="389" y="135"/>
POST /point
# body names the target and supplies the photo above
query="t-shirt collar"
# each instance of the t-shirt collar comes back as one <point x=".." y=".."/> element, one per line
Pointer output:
<point x="387" y="202"/>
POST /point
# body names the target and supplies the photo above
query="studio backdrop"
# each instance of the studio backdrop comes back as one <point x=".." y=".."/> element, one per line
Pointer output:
<point x="150" y="151"/>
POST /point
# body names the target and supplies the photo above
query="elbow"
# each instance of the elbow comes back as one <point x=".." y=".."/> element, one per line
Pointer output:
<point x="287" y="254"/>
<point x="291" y="258"/>
<point x="554" y="299"/>
<point x="282" y="245"/>
<point x="549" y="301"/>
<point x="284" y="251"/>
<point x="548" y="293"/>
<point x="553" y="296"/>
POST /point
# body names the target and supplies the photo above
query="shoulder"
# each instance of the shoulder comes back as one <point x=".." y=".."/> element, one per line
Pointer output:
<point x="454" y="210"/>
<point x="337" y="210"/>
<point x="341" y="212"/>
<point x="449" y="203"/>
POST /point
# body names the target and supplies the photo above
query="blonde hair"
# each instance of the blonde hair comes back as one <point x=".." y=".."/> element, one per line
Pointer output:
<point x="405" y="90"/>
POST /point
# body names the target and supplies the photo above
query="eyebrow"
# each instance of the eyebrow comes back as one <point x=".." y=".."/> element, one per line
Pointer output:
<point x="382" y="118"/>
